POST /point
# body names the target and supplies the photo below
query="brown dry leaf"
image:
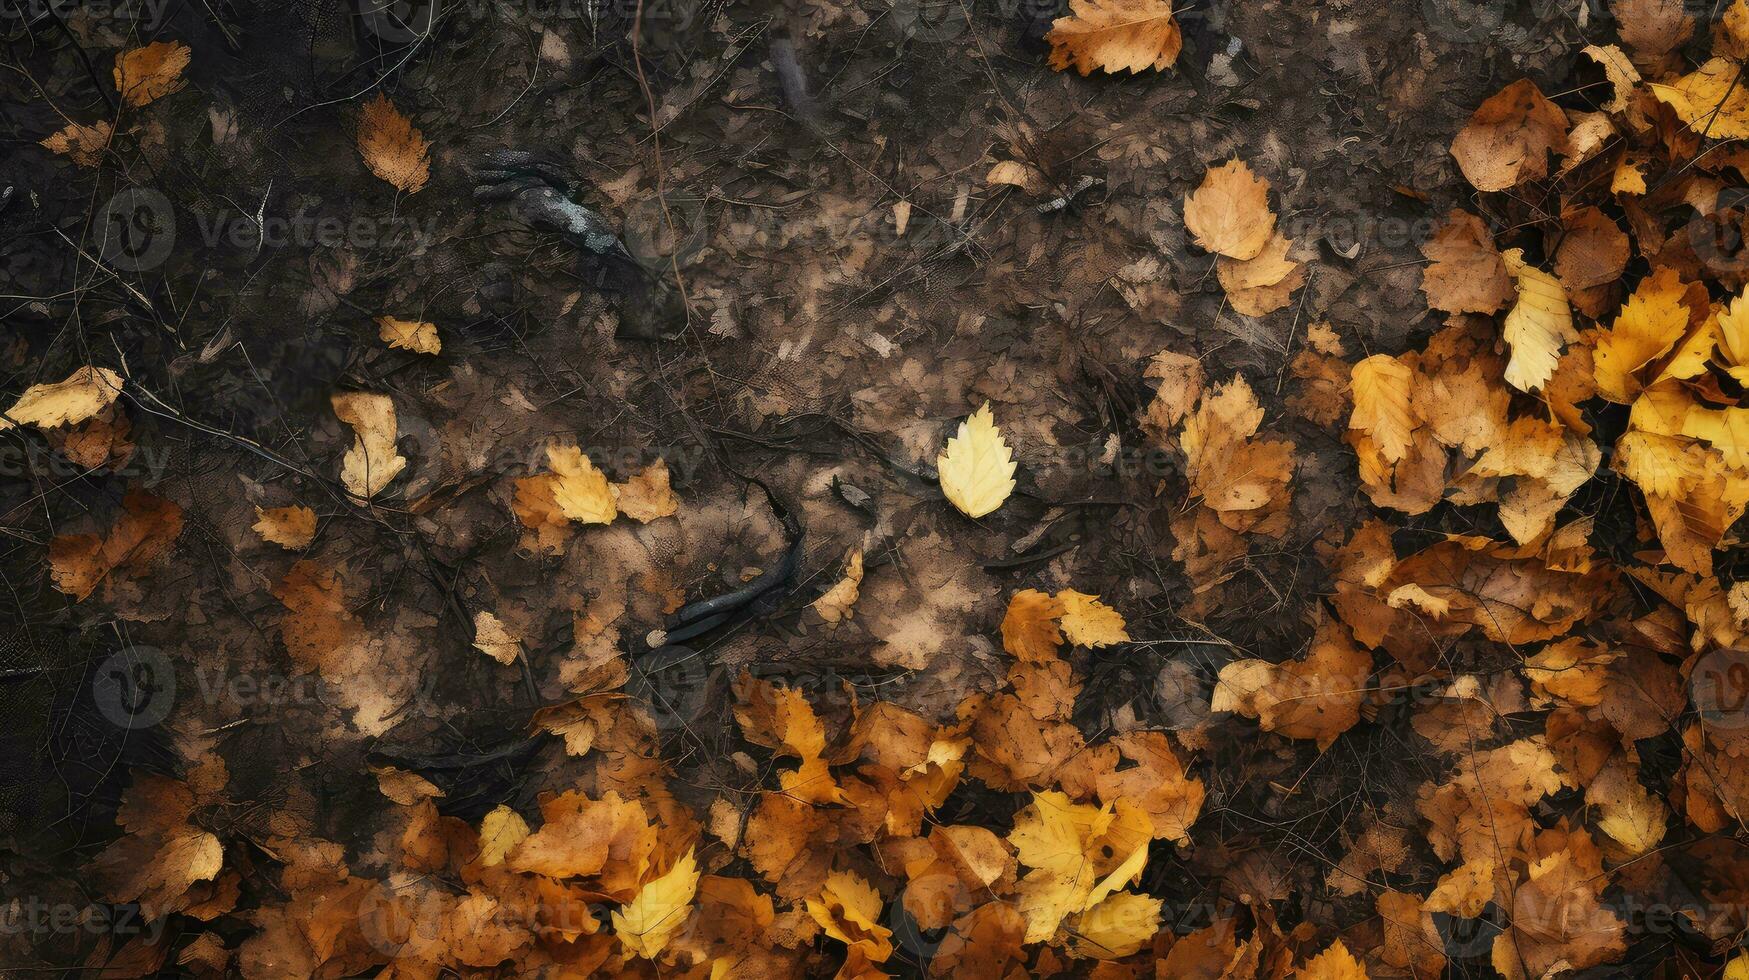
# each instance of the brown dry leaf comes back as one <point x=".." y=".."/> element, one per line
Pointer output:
<point x="1509" y="138"/>
<point x="1316" y="698"/>
<point x="1464" y="891"/>
<point x="1180" y="378"/>
<point x="1030" y="627"/>
<point x="391" y="147"/>
<point x="1013" y="173"/>
<point x="292" y="528"/>
<point x="836" y="604"/>
<point x="1115" y="36"/>
<point x="1557" y="923"/>
<point x="413" y="335"/>
<point x="494" y="639"/>
<point x="1241" y="476"/>
<point x="373" y="461"/>
<point x="1623" y="77"/>
<point x="84" y="394"/>
<point x="146" y="74"/>
<point x="142" y="533"/>
<point x="1465" y="274"/>
<point x="1268" y="268"/>
<point x="403" y="787"/>
<point x="162" y="855"/>
<point x="84" y="145"/>
<point x="647" y="496"/>
<point x="1653" y="28"/>
<point x="1593" y="250"/>
<point x="1229" y="212"/>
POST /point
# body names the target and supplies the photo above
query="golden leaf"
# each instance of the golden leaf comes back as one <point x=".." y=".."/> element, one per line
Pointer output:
<point x="152" y="72"/>
<point x="646" y="924"/>
<point x="1087" y="622"/>
<point x="1229" y="212"/>
<point x="391" y="147"/>
<point x="1114" y="36"/>
<point x="292" y="528"/>
<point x="372" y="461"/>
<point x="647" y="496"/>
<point x="83" y="144"/>
<point x="1335" y="963"/>
<point x="836" y="603"/>
<point x="86" y="392"/>
<point x="1650" y="323"/>
<point x="413" y="335"/>
<point x="1711" y="100"/>
<point x="1029" y="628"/>
<point x="1538" y="326"/>
<point x="1380" y="386"/>
<point x="494" y="639"/>
<point x="977" y="467"/>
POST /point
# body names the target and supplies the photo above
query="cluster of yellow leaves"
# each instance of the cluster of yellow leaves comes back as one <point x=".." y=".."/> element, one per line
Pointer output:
<point x="573" y="491"/>
<point x="1229" y="214"/>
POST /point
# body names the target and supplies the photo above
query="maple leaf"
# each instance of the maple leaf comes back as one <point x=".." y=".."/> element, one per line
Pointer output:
<point x="662" y="905"/>
<point x="1509" y="137"/>
<point x="292" y="528"/>
<point x="1115" y="36"/>
<point x="1465" y="273"/>
<point x="1648" y="326"/>
<point x="391" y="147"/>
<point x="84" y="145"/>
<point x="849" y="911"/>
<point x="1229" y="212"/>
<point x="494" y="639"/>
<point x="372" y="462"/>
<point x="84" y="394"/>
<point x="144" y="75"/>
<point x="977" y="467"/>
<point x="1241" y="476"/>
<point x="413" y="335"/>
<point x="1538" y="325"/>
<point x="1087" y="622"/>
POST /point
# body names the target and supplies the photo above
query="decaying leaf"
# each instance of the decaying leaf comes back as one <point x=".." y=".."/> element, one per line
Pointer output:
<point x="144" y="75"/>
<point x="292" y="528"/>
<point x="391" y="147"/>
<point x="373" y="461"/>
<point x="413" y="335"/>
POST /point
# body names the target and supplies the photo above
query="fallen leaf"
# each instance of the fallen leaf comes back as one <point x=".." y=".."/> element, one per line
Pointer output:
<point x="1115" y="36"/>
<point x="373" y="461"/>
<point x="292" y="528"/>
<point x="977" y="467"/>
<point x="391" y="147"/>
<point x="1229" y="212"/>
<point x="144" y="75"/>
<point x="413" y="335"/>
<point x="1508" y="139"/>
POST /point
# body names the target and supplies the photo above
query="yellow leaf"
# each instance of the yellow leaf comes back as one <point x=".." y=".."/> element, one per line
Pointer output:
<point x="86" y="392"/>
<point x="977" y="467"/>
<point x="1538" y="326"/>
<point x="1623" y="76"/>
<point x="1738" y="968"/>
<point x="152" y="72"/>
<point x="372" y="461"/>
<point x="1087" y="622"/>
<point x="1116" y="927"/>
<point x="1115" y="35"/>
<point x="580" y="490"/>
<point x="421" y="338"/>
<point x="1229" y="212"/>
<point x="1725" y="429"/>
<point x="1650" y="323"/>
<point x="83" y="144"/>
<point x="1629" y="815"/>
<point x="1335" y="963"/>
<point x="1712" y="100"/>
<point x="1029" y="628"/>
<point x="391" y="147"/>
<point x="292" y="528"/>
<point x="835" y="603"/>
<point x="1464" y="891"/>
<point x="494" y="639"/>
<point x="849" y="910"/>
<point x="661" y="907"/>
<point x="500" y="832"/>
<point x="1381" y="385"/>
<point x="1733" y="338"/>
